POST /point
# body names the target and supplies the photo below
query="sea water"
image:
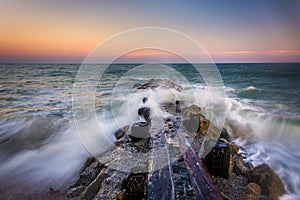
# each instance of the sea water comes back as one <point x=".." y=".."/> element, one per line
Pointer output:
<point x="39" y="143"/>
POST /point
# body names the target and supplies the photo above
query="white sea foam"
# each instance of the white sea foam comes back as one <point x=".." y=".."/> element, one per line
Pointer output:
<point x="57" y="160"/>
<point x="41" y="156"/>
<point x="251" y="88"/>
<point x="267" y="136"/>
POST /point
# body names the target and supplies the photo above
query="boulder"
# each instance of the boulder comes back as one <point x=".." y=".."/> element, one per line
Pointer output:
<point x="139" y="130"/>
<point x="177" y="107"/>
<point x="240" y="167"/>
<point x="145" y="99"/>
<point x="225" y="134"/>
<point x="158" y="83"/>
<point x="119" y="195"/>
<point x="194" y="122"/>
<point x="91" y="191"/>
<point x="262" y="198"/>
<point x="254" y="189"/>
<point x="269" y="182"/>
<point x="233" y="188"/>
<point x="90" y="171"/>
<point x="234" y="149"/>
<point x="121" y="132"/>
<point x="191" y="118"/>
<point x="219" y="160"/>
<point x="144" y="112"/>
<point x="75" y="192"/>
<point x="204" y="125"/>
<point x="134" y="186"/>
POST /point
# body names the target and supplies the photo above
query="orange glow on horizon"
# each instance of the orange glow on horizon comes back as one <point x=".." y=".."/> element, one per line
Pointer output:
<point x="284" y="52"/>
<point x="150" y="55"/>
<point x="147" y="52"/>
<point x="230" y="53"/>
<point x="36" y="45"/>
<point x="273" y="52"/>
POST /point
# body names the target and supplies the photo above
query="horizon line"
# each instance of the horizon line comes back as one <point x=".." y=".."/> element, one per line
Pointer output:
<point x="78" y="63"/>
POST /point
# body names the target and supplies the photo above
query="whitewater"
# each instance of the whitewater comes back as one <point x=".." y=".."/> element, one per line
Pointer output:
<point x="40" y="147"/>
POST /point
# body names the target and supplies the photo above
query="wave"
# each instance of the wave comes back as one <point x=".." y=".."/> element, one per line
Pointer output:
<point x="39" y="153"/>
<point x="250" y="88"/>
<point x="265" y="135"/>
<point x="250" y="92"/>
<point x="48" y="150"/>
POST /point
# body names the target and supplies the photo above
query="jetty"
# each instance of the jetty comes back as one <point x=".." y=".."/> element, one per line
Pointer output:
<point x="160" y="159"/>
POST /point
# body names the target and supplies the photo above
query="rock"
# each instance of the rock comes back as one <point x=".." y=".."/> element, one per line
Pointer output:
<point x="194" y="122"/>
<point x="223" y="140"/>
<point x="75" y="192"/>
<point x="269" y="182"/>
<point x="234" y="148"/>
<point x="177" y="107"/>
<point x="53" y="191"/>
<point x="135" y="186"/>
<point x="119" y="195"/>
<point x="235" y="187"/>
<point x="121" y="132"/>
<point x="158" y="83"/>
<point x="139" y="130"/>
<point x="87" y="163"/>
<point x="225" y="134"/>
<point x="263" y="198"/>
<point x="191" y="118"/>
<point x="168" y="120"/>
<point x="219" y="160"/>
<point x="224" y="196"/>
<point x="145" y="99"/>
<point x="255" y="190"/>
<point x="185" y="178"/>
<point x="111" y="187"/>
<point x="92" y="190"/>
<point x="204" y="125"/>
<point x="88" y="174"/>
<point x="249" y="165"/>
<point x="192" y="108"/>
<point x="143" y="145"/>
<point x="239" y="166"/>
<point x="144" y="112"/>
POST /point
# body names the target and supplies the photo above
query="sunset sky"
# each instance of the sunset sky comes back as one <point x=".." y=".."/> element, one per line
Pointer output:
<point x="61" y="31"/>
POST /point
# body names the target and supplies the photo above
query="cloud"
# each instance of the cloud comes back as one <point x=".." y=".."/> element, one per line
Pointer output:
<point x="231" y="53"/>
<point x="283" y="52"/>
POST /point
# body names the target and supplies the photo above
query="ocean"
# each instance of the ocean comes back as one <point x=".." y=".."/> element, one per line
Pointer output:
<point x="39" y="143"/>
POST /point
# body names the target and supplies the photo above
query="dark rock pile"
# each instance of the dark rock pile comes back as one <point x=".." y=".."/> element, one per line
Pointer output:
<point x="222" y="174"/>
<point x="235" y="178"/>
<point x="158" y="83"/>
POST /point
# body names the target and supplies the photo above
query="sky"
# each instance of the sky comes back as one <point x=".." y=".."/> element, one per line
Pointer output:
<point x="61" y="31"/>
